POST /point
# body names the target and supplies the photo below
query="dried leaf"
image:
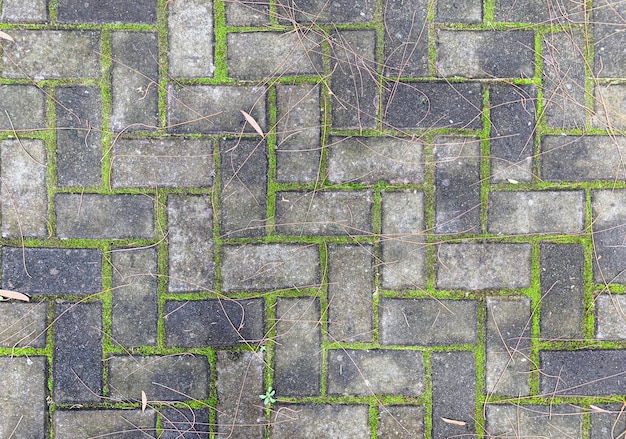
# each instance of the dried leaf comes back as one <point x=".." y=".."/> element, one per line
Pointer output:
<point x="5" y="36"/>
<point x="510" y="180"/>
<point x="453" y="422"/>
<point x="252" y="123"/>
<point x="14" y="295"/>
<point x="144" y="401"/>
<point x="595" y="408"/>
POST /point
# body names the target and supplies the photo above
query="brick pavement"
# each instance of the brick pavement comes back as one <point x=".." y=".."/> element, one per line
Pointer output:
<point x="349" y="219"/>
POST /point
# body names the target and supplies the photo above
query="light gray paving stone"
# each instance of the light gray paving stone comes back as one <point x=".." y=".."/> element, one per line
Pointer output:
<point x="537" y="11"/>
<point x="610" y="107"/>
<point x="107" y="11"/>
<point x="552" y="421"/>
<point x="610" y="317"/>
<point x="400" y="422"/>
<point x="607" y="422"/>
<point x="608" y="227"/>
<point x="450" y="11"/>
<point x="17" y="11"/>
<point x="303" y="420"/>
<point x="79" y="424"/>
<point x="321" y="11"/>
<point x="24" y="194"/>
<point x="406" y="37"/>
<point x="609" y="57"/>
<point x="247" y="13"/>
<point x="23" y="324"/>
<point x="22" y="107"/>
<point x="190" y="32"/>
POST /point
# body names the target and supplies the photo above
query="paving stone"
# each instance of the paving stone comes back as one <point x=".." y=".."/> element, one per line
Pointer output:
<point x="406" y="38"/>
<point x="324" y="213"/>
<point x="303" y="420"/>
<point x="427" y="321"/>
<point x="537" y="11"/>
<point x="269" y="266"/>
<point x="243" y="194"/>
<point x="375" y="372"/>
<point x="77" y="358"/>
<point x="162" y="378"/>
<point x="483" y="266"/>
<point x="371" y="159"/>
<point x="457" y="184"/>
<point x="454" y="393"/>
<point x="564" y="79"/>
<point x="610" y="107"/>
<point x="485" y="54"/>
<point x="107" y="11"/>
<point x="215" y="322"/>
<point x="562" y="291"/>
<point x="134" y="79"/>
<point x="584" y="372"/>
<point x="610" y="318"/>
<point x="350" y="288"/>
<point x="298" y="148"/>
<point x="321" y="11"/>
<point x="52" y="270"/>
<point x="552" y="421"/>
<point x="184" y="423"/>
<point x="240" y="412"/>
<point x="104" y="216"/>
<point x="134" y="309"/>
<point x="14" y="11"/>
<point x="190" y="32"/>
<point x="215" y="108"/>
<point x="190" y="250"/>
<point x="607" y="423"/>
<point x="509" y="321"/>
<point x="451" y="11"/>
<point x="512" y="114"/>
<point x="79" y="147"/>
<point x="433" y="104"/>
<point x="79" y="424"/>
<point x="247" y="13"/>
<point x="400" y="422"/>
<point x="25" y="106"/>
<point x="24" y="193"/>
<point x="353" y="79"/>
<point x="298" y="350"/>
<point x="608" y="37"/>
<point x="23" y="325"/>
<point x="608" y="227"/>
<point x="402" y="240"/>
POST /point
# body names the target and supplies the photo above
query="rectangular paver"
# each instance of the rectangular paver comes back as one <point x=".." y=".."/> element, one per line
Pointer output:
<point x="108" y="11"/>
<point x="78" y="424"/>
<point x="406" y="38"/>
<point x="608" y="227"/>
<point x="339" y="421"/>
<point x="550" y="421"/>
<point x="23" y="324"/>
<point x="190" y="31"/>
<point x="22" y="107"/>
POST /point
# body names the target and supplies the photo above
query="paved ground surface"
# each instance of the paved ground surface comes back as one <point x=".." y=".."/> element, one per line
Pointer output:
<point x="343" y="219"/>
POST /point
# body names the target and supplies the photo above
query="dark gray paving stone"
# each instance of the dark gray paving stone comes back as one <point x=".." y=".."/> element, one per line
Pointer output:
<point x="457" y="184"/>
<point x="562" y="291"/>
<point x="190" y="250"/>
<point x="427" y="321"/>
<point x="485" y="54"/>
<point x="375" y="372"/>
<point x="451" y="11"/>
<point x="185" y="423"/>
<point x="190" y="33"/>
<point x="134" y="80"/>
<point x="483" y="266"/>
<point x="610" y="107"/>
<point x="303" y="420"/>
<point x="454" y="393"/>
<point x="400" y="422"/>
<point x="537" y="11"/>
<point x="23" y="325"/>
<point x="610" y="59"/>
<point x="371" y="159"/>
<point x="406" y="38"/>
<point x="240" y="412"/>
<point x="79" y="147"/>
<point x="353" y="79"/>
<point x="610" y="322"/>
<point x="433" y="105"/>
<point x="608" y="227"/>
<point x="77" y="358"/>
<point x="324" y="213"/>
<point x="107" y="11"/>
<point x="52" y="270"/>
<point x="104" y="216"/>
<point x="23" y="385"/>
<point x="298" y="351"/>
<point x="321" y="11"/>
<point x="79" y="424"/>
<point x="607" y="423"/>
<point x="134" y="309"/>
<point x="25" y="106"/>
<point x="213" y="322"/>
<point x="243" y="194"/>
<point x="512" y="114"/>
<point x="23" y="193"/>
<point x="549" y="421"/>
<point x="247" y="13"/>
<point x="162" y="378"/>
<point x="19" y="11"/>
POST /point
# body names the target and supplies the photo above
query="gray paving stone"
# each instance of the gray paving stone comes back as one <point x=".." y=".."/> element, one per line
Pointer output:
<point x="190" y="32"/>
<point x="240" y="412"/>
<point x="298" y="351"/>
<point x="162" y="378"/>
<point x="134" y="309"/>
<point x="247" y="13"/>
<point x="610" y="107"/>
<point x="350" y="288"/>
<point x="52" y="54"/>
<point x="457" y="184"/>
<point x="485" y="54"/>
<point x="104" y="216"/>
<point x="610" y="318"/>
<point x="562" y="291"/>
<point x="608" y="227"/>
<point x="610" y="422"/>
<point x="79" y="147"/>
<point x="324" y="213"/>
<point x="512" y="115"/>
<point x="400" y="422"/>
<point x="214" y="322"/>
<point x="402" y="240"/>
<point x="23" y="193"/>
<point x="353" y="79"/>
<point x="175" y="162"/>
<point x="243" y="194"/>
<point x="450" y="11"/>
<point x="483" y="266"/>
<point x="269" y="266"/>
<point x="303" y="420"/>
<point x="375" y="372"/>
<point x="77" y="358"/>
<point x="371" y="159"/>
<point x="134" y="80"/>
<point x="107" y="11"/>
<point x="184" y="423"/>
<point x="433" y="104"/>
<point x="298" y="148"/>
<point x="79" y="424"/>
<point x="321" y="11"/>
<point x="454" y="393"/>
<point x="427" y="321"/>
<point x="23" y="325"/>
<point x="537" y="11"/>
<point x="22" y="107"/>
<point x="608" y="19"/>
<point x="215" y="108"/>
<point x="552" y="421"/>
<point x="190" y="250"/>
<point x="14" y="11"/>
<point x="52" y="270"/>
<point x="406" y="38"/>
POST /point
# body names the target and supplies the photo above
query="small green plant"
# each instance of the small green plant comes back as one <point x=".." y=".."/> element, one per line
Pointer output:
<point x="268" y="396"/>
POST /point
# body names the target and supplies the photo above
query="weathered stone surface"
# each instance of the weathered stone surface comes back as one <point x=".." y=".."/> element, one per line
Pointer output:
<point x="608" y="226"/>
<point x="608" y="36"/>
<point x="107" y="11"/>
<point x="406" y="37"/>
<point x="247" y="12"/>
<point x="400" y="422"/>
<point x="184" y="423"/>
<point x="610" y="107"/>
<point x="450" y="11"/>
<point x="303" y="420"/>
<point x="190" y="32"/>
<point x="607" y="422"/>
<point x="549" y="421"/>
<point x="537" y="11"/>
<point x="321" y="11"/>
<point x="24" y="10"/>
<point x="23" y="325"/>
<point x="22" y="107"/>
<point x="610" y="318"/>
<point x="79" y="424"/>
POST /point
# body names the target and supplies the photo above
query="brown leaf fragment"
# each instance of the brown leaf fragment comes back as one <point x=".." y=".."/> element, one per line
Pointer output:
<point x="453" y="421"/>
<point x="253" y="123"/>
<point x="14" y="295"/>
<point x="144" y="401"/>
<point x="6" y="36"/>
